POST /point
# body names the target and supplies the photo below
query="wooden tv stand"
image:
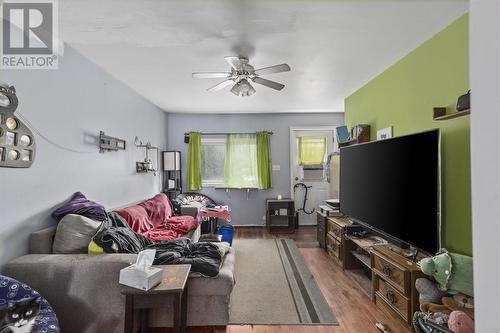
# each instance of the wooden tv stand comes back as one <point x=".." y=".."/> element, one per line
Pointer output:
<point x="384" y="274"/>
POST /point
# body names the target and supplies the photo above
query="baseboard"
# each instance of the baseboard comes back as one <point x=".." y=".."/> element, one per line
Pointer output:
<point x="249" y="226"/>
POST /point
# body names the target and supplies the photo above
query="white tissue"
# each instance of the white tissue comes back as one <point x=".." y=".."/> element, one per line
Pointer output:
<point x="145" y="259"/>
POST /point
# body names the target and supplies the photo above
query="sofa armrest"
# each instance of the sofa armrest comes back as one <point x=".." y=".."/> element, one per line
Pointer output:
<point x="189" y="210"/>
<point x="41" y="241"/>
<point x="87" y="283"/>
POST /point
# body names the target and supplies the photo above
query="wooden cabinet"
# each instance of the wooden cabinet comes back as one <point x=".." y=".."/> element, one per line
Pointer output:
<point x="393" y="279"/>
<point x="321" y="218"/>
<point x="335" y="231"/>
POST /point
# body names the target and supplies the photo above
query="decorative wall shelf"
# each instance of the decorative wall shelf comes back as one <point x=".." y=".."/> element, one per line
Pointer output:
<point x="439" y="113"/>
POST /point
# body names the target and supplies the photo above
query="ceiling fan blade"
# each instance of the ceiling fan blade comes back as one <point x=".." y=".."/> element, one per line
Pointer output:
<point x="273" y="69"/>
<point x="220" y="86"/>
<point x="210" y="75"/>
<point x="235" y="62"/>
<point x="269" y="83"/>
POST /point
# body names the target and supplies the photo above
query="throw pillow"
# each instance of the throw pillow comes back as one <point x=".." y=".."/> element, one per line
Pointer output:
<point x="80" y="205"/>
<point x="73" y="234"/>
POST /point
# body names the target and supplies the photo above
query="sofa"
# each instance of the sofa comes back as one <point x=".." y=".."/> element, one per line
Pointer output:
<point x="84" y="291"/>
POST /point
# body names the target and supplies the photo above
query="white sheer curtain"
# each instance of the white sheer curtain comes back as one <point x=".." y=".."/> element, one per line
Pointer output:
<point x="240" y="167"/>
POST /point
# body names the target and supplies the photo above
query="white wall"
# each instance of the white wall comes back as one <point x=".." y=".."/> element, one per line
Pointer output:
<point x="66" y="105"/>
<point x="485" y="149"/>
<point x="248" y="211"/>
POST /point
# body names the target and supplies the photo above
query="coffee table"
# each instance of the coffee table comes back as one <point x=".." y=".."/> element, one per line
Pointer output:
<point x="174" y="282"/>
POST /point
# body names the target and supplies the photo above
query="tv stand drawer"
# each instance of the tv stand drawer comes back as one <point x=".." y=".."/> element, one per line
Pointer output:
<point x="334" y="229"/>
<point x="333" y="246"/>
<point x="391" y="272"/>
<point x="392" y="299"/>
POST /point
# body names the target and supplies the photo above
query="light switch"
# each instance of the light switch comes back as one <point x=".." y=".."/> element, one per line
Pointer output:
<point x="276" y="167"/>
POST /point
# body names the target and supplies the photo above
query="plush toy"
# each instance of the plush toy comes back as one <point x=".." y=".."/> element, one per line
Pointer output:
<point x="428" y="292"/>
<point x="453" y="305"/>
<point x="452" y="272"/>
<point x="464" y="300"/>
<point x="449" y="305"/>
<point x="435" y="308"/>
<point x="460" y="322"/>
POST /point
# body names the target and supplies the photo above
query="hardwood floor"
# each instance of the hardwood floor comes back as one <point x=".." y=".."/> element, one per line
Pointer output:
<point x="354" y="310"/>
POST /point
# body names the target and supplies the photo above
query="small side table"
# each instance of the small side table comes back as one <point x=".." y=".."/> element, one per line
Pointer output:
<point x="174" y="282"/>
<point x="280" y="216"/>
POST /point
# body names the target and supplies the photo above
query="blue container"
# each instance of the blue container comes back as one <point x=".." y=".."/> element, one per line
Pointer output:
<point x="227" y="232"/>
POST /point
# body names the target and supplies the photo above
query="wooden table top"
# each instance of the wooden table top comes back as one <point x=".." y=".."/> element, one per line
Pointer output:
<point x="173" y="281"/>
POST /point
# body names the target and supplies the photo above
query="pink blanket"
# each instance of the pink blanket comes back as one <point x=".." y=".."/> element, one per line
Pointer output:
<point x="154" y="219"/>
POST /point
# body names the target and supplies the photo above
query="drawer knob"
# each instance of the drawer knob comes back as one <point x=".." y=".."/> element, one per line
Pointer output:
<point x="391" y="297"/>
<point x="387" y="270"/>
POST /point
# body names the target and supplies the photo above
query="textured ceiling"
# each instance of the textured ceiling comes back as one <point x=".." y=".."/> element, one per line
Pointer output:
<point x="333" y="47"/>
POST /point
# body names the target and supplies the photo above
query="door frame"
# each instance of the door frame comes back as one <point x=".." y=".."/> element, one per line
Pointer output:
<point x="292" y="143"/>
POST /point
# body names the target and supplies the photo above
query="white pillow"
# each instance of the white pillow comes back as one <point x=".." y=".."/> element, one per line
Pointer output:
<point x="73" y="234"/>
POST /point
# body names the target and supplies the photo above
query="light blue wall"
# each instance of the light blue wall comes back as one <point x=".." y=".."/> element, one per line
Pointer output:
<point x="248" y="211"/>
<point x="66" y="105"/>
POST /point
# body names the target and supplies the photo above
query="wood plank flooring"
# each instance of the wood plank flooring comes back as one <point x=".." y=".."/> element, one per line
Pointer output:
<point x="354" y="310"/>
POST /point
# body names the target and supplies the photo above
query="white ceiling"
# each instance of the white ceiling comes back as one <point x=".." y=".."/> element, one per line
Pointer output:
<point x="333" y="47"/>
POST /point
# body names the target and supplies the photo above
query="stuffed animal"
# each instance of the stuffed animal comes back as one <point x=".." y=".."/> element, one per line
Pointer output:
<point x="452" y="272"/>
<point x="453" y="305"/>
<point x="435" y="308"/>
<point x="459" y="322"/>
<point x="428" y="292"/>
<point x="464" y="300"/>
<point x="449" y="305"/>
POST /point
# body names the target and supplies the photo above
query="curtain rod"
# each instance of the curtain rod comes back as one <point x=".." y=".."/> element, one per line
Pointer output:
<point x="186" y="134"/>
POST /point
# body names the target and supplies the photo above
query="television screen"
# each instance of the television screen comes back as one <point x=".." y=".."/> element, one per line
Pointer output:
<point x="393" y="186"/>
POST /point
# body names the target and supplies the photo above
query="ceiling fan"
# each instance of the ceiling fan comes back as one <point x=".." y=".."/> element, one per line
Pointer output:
<point x="242" y="73"/>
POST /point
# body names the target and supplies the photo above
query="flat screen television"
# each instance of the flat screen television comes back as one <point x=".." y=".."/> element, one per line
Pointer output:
<point x="392" y="186"/>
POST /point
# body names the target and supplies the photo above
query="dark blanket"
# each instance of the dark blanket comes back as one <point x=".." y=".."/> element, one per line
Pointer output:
<point x="115" y="236"/>
<point x="204" y="257"/>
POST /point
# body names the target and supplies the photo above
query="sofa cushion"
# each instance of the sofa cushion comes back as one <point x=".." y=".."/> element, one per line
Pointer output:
<point x="73" y="234"/>
<point x="80" y="205"/>
<point x="158" y="208"/>
<point x="137" y="218"/>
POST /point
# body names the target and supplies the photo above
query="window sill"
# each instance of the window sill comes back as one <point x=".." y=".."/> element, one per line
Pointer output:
<point x="211" y="185"/>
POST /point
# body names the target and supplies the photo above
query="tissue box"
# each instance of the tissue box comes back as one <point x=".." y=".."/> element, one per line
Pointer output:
<point x="141" y="279"/>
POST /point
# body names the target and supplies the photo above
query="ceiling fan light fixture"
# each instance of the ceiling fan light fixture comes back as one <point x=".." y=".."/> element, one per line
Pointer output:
<point x="243" y="88"/>
<point x="242" y="73"/>
<point x="235" y="90"/>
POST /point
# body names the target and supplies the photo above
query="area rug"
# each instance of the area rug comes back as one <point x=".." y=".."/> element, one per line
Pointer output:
<point x="275" y="287"/>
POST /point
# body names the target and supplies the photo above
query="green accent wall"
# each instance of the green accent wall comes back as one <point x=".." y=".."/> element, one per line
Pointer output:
<point x="403" y="96"/>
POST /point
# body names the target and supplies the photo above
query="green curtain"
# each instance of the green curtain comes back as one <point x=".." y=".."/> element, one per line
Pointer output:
<point x="264" y="162"/>
<point x="240" y="165"/>
<point x="312" y="150"/>
<point x="194" y="161"/>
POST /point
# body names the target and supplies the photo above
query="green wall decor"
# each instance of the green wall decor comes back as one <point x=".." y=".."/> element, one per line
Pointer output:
<point x="403" y="96"/>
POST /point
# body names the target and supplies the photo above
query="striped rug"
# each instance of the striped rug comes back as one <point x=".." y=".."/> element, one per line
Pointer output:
<point x="275" y="287"/>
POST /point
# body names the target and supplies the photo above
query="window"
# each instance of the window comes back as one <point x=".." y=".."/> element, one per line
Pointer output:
<point x="311" y="157"/>
<point x="229" y="161"/>
<point x="213" y="152"/>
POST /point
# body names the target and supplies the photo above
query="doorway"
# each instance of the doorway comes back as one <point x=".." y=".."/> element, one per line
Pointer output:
<point x="309" y="150"/>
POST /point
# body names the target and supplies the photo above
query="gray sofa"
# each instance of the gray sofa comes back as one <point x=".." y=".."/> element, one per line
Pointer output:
<point x="85" y="294"/>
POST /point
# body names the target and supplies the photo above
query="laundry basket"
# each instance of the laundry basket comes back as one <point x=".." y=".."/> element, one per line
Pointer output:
<point x="227" y="232"/>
